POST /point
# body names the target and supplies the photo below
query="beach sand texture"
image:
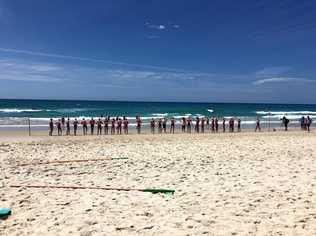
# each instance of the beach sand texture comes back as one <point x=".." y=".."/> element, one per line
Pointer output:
<point x="226" y="184"/>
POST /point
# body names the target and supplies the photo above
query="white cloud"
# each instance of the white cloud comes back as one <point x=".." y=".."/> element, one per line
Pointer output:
<point x="282" y="80"/>
<point x="176" y="26"/>
<point x="157" y="27"/>
<point x="272" y="71"/>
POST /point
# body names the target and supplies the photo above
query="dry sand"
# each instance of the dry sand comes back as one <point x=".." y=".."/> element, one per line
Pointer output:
<point x="226" y="184"/>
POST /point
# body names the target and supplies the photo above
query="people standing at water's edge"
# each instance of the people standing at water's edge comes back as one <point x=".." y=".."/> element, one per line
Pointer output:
<point x="224" y="125"/>
<point x="59" y="130"/>
<point x="308" y="123"/>
<point x="172" y="125"/>
<point x="125" y="125"/>
<point x="164" y="125"/>
<point x="183" y="124"/>
<point x="99" y="126"/>
<point x="159" y="126"/>
<point x="189" y="124"/>
<point x="84" y="126"/>
<point x="258" y="127"/>
<point x="51" y="127"/>
<point x="68" y="126"/>
<point x="138" y="124"/>
<point x="239" y="125"/>
<point x="152" y="126"/>
<point x="92" y="123"/>
<point x="285" y="122"/>
<point x="106" y="125"/>
<point x="75" y="123"/>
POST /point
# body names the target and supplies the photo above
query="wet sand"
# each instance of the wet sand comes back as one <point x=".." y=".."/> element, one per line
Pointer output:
<point x="226" y="184"/>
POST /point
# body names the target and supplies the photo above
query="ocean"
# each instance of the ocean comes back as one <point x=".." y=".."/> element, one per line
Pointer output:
<point x="15" y="113"/>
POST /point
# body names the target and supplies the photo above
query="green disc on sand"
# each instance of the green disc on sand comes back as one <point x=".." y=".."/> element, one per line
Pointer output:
<point x="5" y="212"/>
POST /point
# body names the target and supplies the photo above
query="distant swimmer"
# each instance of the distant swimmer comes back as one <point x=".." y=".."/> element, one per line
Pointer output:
<point x="239" y="125"/>
<point x="258" y="125"/>
<point x="68" y="126"/>
<point x="138" y="124"/>
<point x="152" y="126"/>
<point x="183" y="124"/>
<point x="224" y="125"/>
<point x="84" y="126"/>
<point x="164" y="125"/>
<point x="59" y="130"/>
<point x="92" y="123"/>
<point x="75" y="123"/>
<point x="113" y="126"/>
<point x="51" y="127"/>
<point x="172" y="125"/>
<point x="99" y="126"/>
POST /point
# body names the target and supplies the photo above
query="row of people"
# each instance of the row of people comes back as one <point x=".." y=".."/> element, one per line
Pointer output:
<point x="119" y="125"/>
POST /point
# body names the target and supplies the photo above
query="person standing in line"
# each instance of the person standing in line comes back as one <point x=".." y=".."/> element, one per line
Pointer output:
<point x="68" y="126"/>
<point x="183" y="124"/>
<point x="224" y="125"/>
<point x="239" y="125"/>
<point x="99" y="126"/>
<point x="125" y="125"/>
<point x="164" y="125"/>
<point x="207" y="122"/>
<point x="75" y="123"/>
<point x="189" y="122"/>
<point x="84" y="126"/>
<point x="213" y="125"/>
<point x="106" y="125"/>
<point x="59" y="130"/>
<point x="172" y="125"/>
<point x="308" y="123"/>
<point x="159" y="126"/>
<point x="230" y="124"/>
<point x="216" y="125"/>
<point x="63" y="122"/>
<point x="92" y="123"/>
<point x="119" y="126"/>
<point x="302" y="122"/>
<point x="258" y="125"/>
<point x="285" y="122"/>
<point x="138" y="124"/>
<point x="152" y="125"/>
<point x="197" y="125"/>
<point x="51" y="127"/>
<point x="202" y="124"/>
<point x="113" y="126"/>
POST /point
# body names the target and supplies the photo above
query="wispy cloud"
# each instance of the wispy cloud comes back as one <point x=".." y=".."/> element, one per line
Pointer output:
<point x="282" y="80"/>
<point x="270" y="71"/>
<point x="157" y="27"/>
<point x="52" y="55"/>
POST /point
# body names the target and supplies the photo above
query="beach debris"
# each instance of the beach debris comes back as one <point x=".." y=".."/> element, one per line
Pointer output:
<point x="149" y="190"/>
<point x="72" y="161"/>
<point x="4" y="212"/>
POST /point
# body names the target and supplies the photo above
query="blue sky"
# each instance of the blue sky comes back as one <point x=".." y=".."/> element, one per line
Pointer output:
<point x="201" y="50"/>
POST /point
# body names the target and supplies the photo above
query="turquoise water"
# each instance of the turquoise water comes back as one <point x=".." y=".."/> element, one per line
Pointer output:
<point x="14" y="113"/>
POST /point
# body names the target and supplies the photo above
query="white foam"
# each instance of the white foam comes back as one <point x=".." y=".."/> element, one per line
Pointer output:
<point x="15" y="110"/>
<point x="284" y="113"/>
<point x="210" y="110"/>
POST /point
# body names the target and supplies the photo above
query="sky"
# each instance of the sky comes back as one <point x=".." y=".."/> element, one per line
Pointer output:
<point x="159" y="50"/>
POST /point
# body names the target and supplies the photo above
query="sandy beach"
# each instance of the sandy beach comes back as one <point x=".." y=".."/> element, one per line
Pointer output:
<point x="225" y="184"/>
